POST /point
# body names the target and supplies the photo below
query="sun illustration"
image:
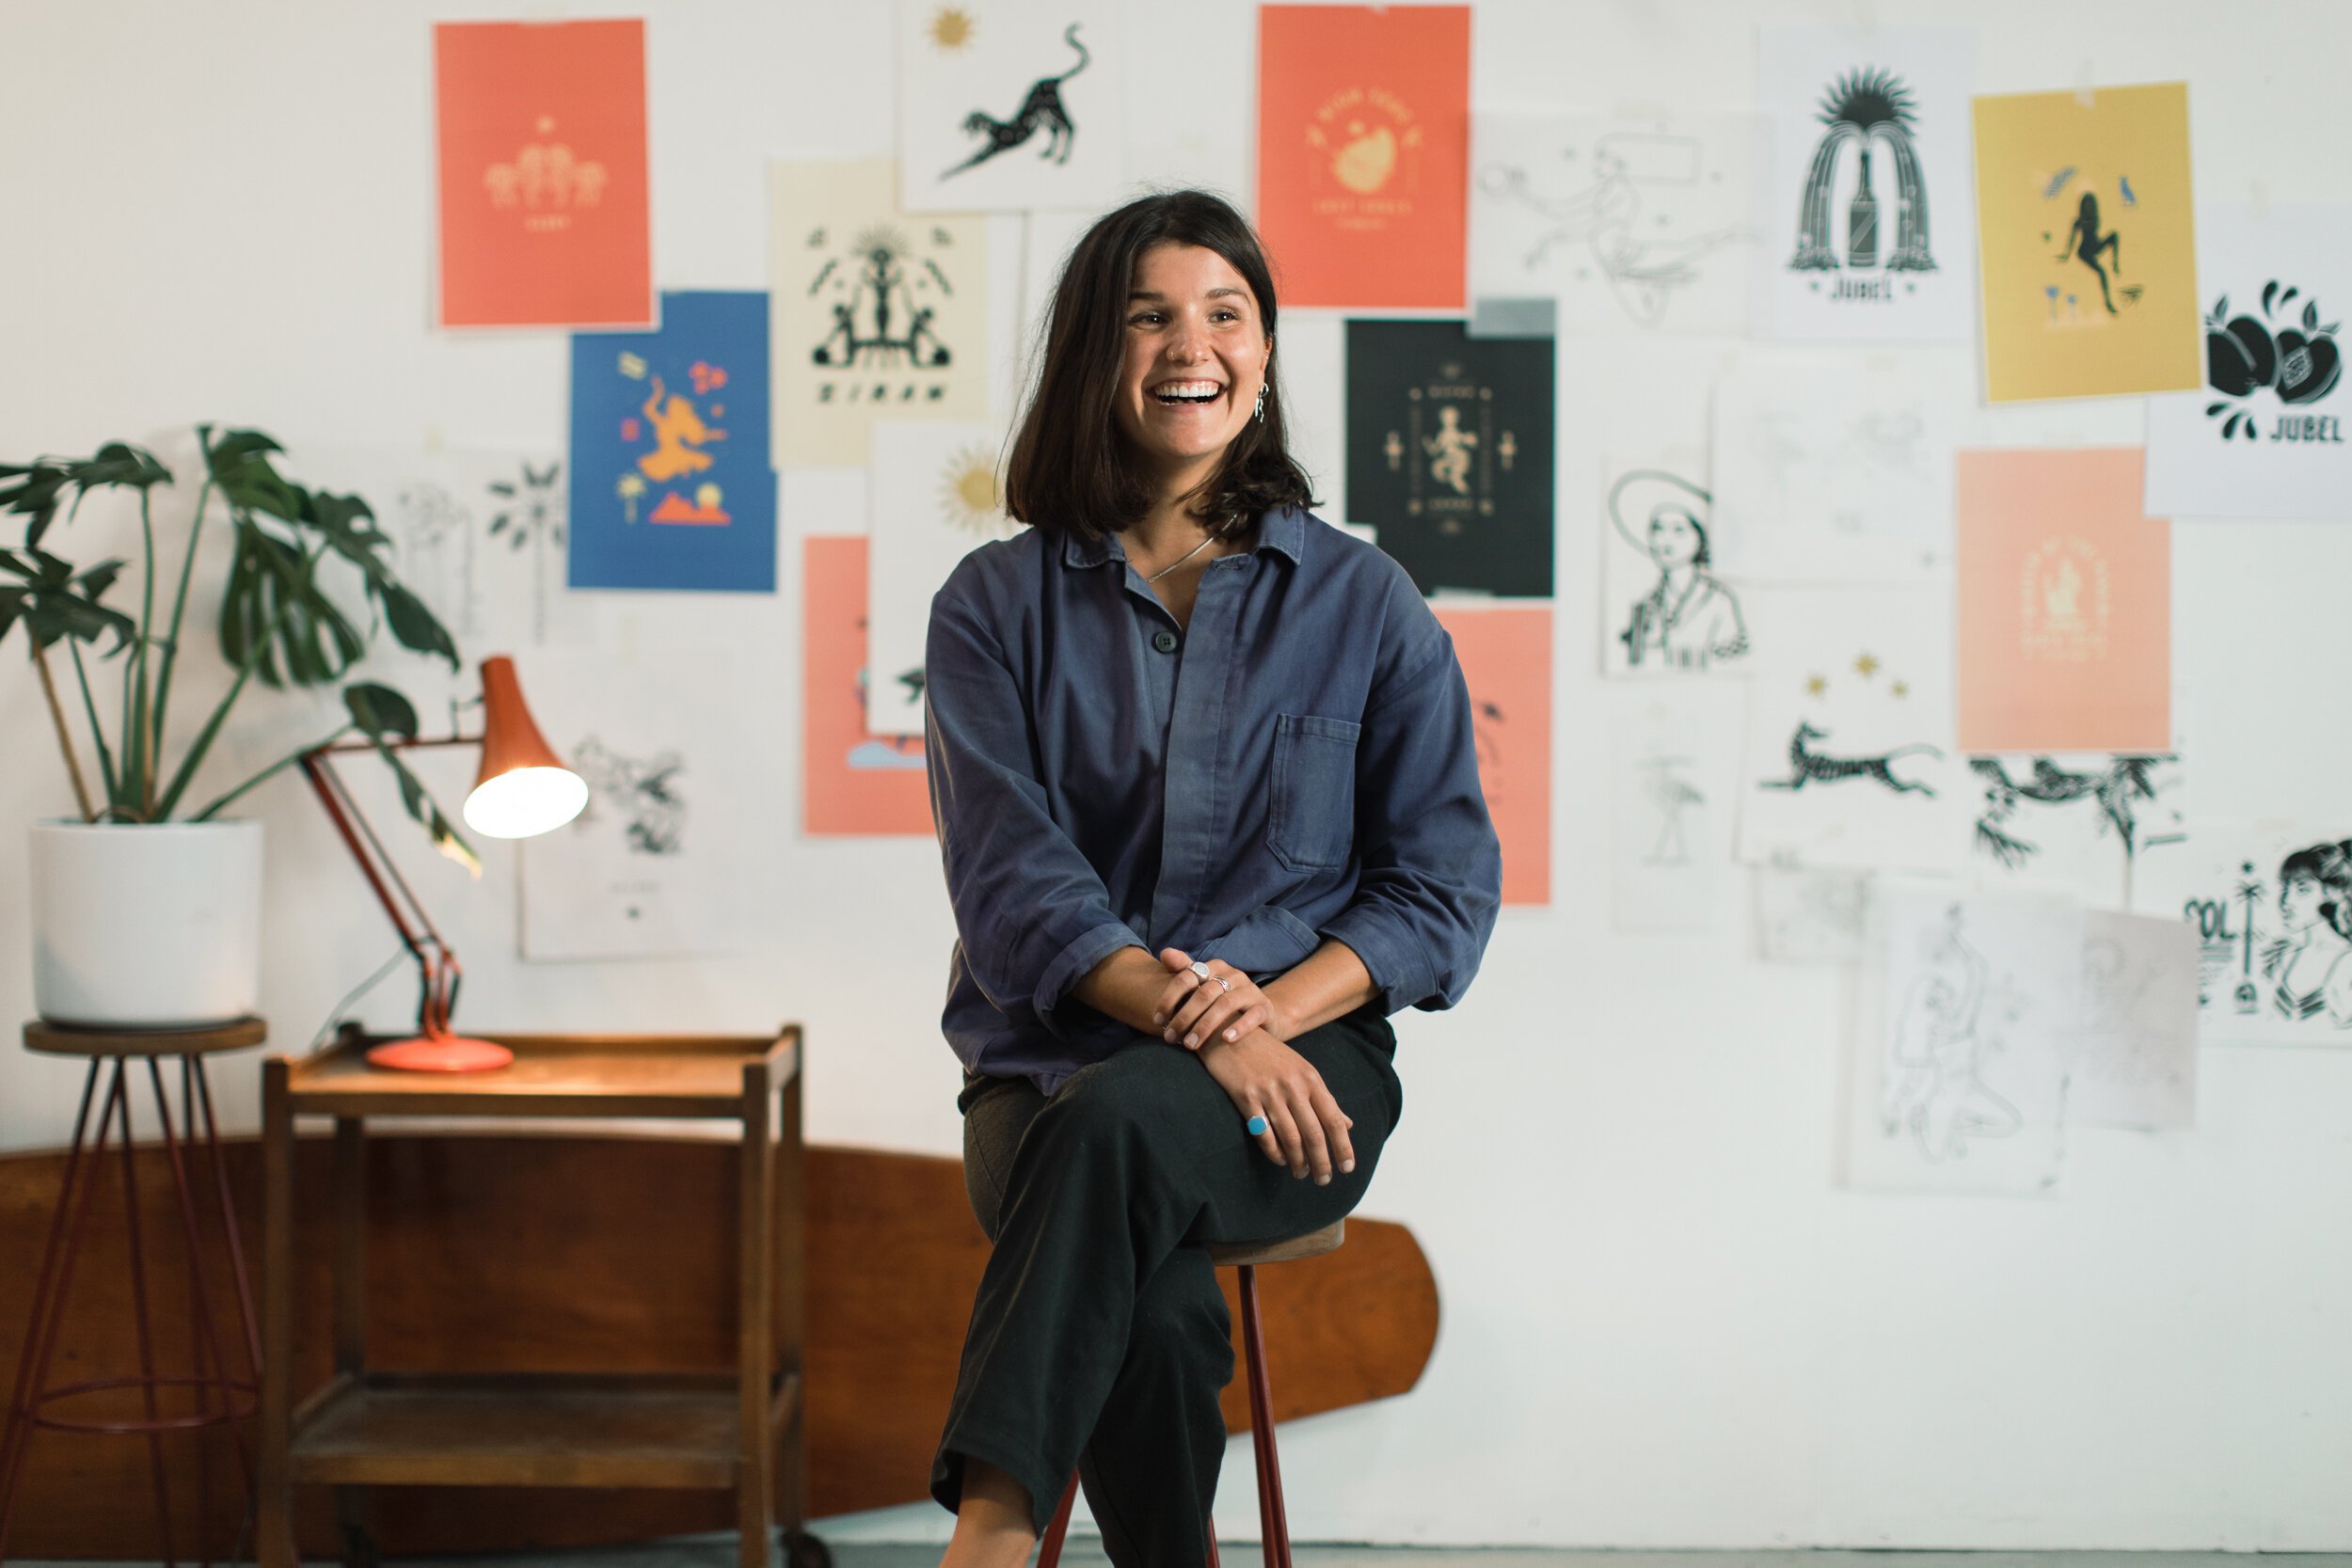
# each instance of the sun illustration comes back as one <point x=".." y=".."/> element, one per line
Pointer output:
<point x="708" y="497"/>
<point x="968" y="493"/>
<point x="951" y="27"/>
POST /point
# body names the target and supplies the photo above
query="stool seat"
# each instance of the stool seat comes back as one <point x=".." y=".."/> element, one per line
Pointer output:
<point x="68" y="1040"/>
<point x="1315" y="1244"/>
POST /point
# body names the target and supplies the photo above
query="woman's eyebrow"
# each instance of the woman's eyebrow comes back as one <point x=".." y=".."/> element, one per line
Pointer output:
<point x="1155" y="295"/>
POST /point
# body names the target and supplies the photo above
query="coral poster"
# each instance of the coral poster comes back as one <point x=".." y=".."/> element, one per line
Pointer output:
<point x="2065" y="636"/>
<point x="1505" y="655"/>
<point x="2086" y="244"/>
<point x="671" y="482"/>
<point x="2264" y="437"/>
<point x="878" y="313"/>
<point x="851" y="780"/>
<point x="1363" y="137"/>
<point x="543" y="194"/>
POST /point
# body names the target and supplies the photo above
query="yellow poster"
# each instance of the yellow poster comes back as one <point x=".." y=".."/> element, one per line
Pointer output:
<point x="2086" y="244"/>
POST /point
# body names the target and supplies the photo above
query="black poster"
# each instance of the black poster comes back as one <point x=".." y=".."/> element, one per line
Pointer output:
<point x="1448" y="454"/>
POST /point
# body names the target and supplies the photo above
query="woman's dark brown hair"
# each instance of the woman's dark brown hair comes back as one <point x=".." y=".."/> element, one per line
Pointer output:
<point x="1071" y="468"/>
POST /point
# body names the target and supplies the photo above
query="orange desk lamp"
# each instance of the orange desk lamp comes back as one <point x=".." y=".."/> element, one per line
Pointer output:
<point x="522" y="790"/>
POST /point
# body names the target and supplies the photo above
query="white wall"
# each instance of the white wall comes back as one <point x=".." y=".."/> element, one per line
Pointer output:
<point x="1663" y="1325"/>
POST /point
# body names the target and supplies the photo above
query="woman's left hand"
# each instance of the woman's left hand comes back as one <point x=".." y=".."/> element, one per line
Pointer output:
<point x="1192" y="1012"/>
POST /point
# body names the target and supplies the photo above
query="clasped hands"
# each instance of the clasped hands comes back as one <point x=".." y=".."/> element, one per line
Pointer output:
<point x="1238" y="1034"/>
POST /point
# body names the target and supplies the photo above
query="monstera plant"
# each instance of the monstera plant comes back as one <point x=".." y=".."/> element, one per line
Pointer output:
<point x="277" y="623"/>
<point x="308" y="587"/>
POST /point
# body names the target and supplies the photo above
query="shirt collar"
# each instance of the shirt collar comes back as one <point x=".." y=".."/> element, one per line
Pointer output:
<point x="1283" y="529"/>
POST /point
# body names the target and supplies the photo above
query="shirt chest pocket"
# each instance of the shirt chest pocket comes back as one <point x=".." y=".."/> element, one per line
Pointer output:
<point x="1311" y="822"/>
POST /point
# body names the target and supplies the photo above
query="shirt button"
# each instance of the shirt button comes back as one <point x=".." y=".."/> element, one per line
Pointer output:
<point x="1165" y="641"/>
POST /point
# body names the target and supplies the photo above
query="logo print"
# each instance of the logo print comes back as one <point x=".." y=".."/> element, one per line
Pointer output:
<point x="546" y="180"/>
<point x="2298" y="362"/>
<point x="1453" y="457"/>
<point x="1865" y="108"/>
<point x="883" y="292"/>
<point x="1367" y="143"/>
<point x="2064" y="601"/>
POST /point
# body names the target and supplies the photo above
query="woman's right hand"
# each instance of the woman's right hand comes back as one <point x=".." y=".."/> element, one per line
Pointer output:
<point x="1305" y="1129"/>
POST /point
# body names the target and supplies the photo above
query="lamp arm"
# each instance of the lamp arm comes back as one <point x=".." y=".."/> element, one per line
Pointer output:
<point x="437" y="962"/>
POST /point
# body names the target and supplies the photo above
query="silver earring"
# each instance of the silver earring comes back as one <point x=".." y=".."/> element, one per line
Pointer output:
<point x="1262" y="403"/>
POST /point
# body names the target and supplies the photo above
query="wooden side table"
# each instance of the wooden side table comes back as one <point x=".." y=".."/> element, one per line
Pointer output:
<point x="221" y="1398"/>
<point x="739" y="1430"/>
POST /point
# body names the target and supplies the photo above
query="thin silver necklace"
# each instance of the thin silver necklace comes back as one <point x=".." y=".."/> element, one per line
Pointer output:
<point x="1182" y="559"/>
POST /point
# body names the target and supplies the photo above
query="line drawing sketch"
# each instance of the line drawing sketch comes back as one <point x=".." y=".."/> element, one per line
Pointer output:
<point x="1674" y="796"/>
<point x="1646" y="225"/>
<point x="1807" y="915"/>
<point x="1807" y="766"/>
<point x="1643" y="272"/>
<point x="880" y="288"/>
<point x="1690" y="619"/>
<point x="2309" y="964"/>
<point x="1947" y="1029"/>
<point x="1040" y="107"/>
<point x="1672" y="763"/>
<point x="2269" y="906"/>
<point x="1837" y="470"/>
<point x="2133" y="1060"/>
<point x="642" y="793"/>
<point x="1966" y="1009"/>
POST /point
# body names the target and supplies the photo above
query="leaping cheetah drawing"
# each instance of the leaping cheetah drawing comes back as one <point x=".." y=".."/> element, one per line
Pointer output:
<point x="1807" y="766"/>
<point x="1041" y="107"/>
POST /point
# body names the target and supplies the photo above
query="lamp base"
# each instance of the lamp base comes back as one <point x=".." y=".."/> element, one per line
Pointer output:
<point x="440" y="1054"/>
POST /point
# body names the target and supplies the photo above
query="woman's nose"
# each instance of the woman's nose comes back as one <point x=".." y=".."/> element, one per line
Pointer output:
<point x="1187" y="344"/>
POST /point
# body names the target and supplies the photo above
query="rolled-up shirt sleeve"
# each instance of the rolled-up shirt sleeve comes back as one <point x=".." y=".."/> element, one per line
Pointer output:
<point x="1031" y="911"/>
<point x="1431" y="867"/>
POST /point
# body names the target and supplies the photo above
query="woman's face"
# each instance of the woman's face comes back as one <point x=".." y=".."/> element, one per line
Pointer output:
<point x="1673" y="540"/>
<point x="2298" y="903"/>
<point x="1195" y="357"/>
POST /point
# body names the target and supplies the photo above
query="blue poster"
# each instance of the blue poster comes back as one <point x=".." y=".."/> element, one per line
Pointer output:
<point x="671" y="481"/>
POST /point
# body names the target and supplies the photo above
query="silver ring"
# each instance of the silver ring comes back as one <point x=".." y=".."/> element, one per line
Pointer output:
<point x="1223" y="981"/>
<point x="1202" y="969"/>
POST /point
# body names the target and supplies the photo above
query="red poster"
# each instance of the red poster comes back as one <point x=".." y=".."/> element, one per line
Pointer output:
<point x="851" y="782"/>
<point x="1363" y="140"/>
<point x="543" y="174"/>
<point x="1505" y="655"/>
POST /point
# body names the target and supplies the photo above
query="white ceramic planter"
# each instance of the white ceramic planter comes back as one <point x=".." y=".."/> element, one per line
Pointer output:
<point x="146" y="928"/>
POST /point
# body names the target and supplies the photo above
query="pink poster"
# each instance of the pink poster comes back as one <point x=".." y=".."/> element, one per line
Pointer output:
<point x="852" y="782"/>
<point x="2065" y="637"/>
<point x="1506" y="661"/>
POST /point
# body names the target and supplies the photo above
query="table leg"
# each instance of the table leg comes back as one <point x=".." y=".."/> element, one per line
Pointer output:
<point x="274" y="1542"/>
<point x="755" y="1326"/>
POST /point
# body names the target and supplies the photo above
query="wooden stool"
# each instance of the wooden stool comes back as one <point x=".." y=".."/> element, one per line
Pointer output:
<point x="1273" y="1527"/>
<point x="27" y="1406"/>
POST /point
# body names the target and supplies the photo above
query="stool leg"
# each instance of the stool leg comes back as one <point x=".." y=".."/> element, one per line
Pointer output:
<point x="1271" y="1521"/>
<point x="1049" y="1550"/>
<point x="146" y="1339"/>
<point x="33" y="1361"/>
<point x="193" y="1077"/>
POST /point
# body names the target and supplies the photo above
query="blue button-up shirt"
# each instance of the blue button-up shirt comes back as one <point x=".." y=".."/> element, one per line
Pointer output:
<point x="1297" y="763"/>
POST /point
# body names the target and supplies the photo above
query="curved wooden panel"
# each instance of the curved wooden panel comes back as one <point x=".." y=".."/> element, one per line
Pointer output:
<point x="554" y="1252"/>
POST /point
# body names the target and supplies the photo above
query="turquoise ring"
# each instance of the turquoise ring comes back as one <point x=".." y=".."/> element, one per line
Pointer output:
<point x="1256" y="1125"/>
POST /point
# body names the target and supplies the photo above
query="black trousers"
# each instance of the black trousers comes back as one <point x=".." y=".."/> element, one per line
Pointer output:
<point x="1098" y="1338"/>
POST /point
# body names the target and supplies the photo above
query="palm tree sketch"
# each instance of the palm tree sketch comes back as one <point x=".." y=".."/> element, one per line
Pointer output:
<point x="1864" y="107"/>
<point x="529" y="515"/>
<point x="2120" y="794"/>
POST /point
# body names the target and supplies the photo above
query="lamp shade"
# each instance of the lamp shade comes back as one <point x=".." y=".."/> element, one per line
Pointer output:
<point x="524" y="788"/>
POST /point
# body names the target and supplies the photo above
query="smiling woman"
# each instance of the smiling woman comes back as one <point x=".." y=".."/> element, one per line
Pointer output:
<point x="1209" y="811"/>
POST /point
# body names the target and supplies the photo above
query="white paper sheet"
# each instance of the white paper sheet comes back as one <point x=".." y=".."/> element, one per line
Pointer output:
<point x="2133" y="1063"/>
<point x="1809" y="916"/>
<point x="1838" y="469"/>
<point x="2271" y="906"/>
<point x="1873" y="214"/>
<point x="1674" y="769"/>
<point x="936" y="494"/>
<point x="1633" y="226"/>
<point x="1850" y="754"/>
<point x="1964" y="1005"/>
<point x="651" y="866"/>
<point x="2264" y="436"/>
<point x="1010" y="105"/>
<point x="1665" y="612"/>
